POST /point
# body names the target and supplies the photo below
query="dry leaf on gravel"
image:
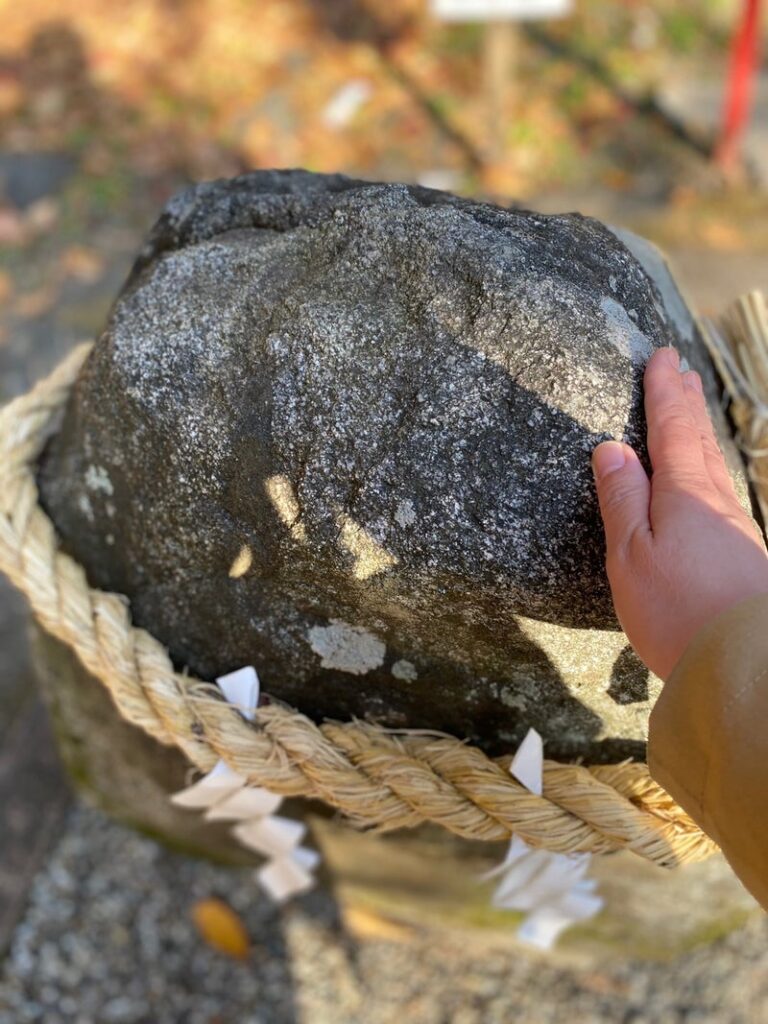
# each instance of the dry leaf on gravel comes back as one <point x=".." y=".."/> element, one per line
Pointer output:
<point x="221" y="928"/>
<point x="364" y="923"/>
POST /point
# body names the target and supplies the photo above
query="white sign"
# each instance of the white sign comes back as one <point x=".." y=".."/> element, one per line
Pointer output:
<point x="500" y="10"/>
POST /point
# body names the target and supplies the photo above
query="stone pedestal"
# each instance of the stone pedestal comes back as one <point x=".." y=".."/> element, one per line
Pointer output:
<point x="116" y="766"/>
<point x="428" y="878"/>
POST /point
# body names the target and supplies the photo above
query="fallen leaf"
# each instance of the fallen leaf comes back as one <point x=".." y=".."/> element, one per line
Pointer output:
<point x="6" y="286"/>
<point x="36" y="303"/>
<point x="11" y="95"/>
<point x="723" y="236"/>
<point x="83" y="264"/>
<point x="604" y="984"/>
<point x="13" y="231"/>
<point x="221" y="928"/>
<point x="683" y="196"/>
<point x="368" y="924"/>
<point x="42" y="215"/>
<point x="617" y="178"/>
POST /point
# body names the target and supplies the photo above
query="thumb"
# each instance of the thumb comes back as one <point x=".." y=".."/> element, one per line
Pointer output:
<point x="623" y="490"/>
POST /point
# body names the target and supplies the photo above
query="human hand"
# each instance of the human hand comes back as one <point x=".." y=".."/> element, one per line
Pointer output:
<point x="680" y="548"/>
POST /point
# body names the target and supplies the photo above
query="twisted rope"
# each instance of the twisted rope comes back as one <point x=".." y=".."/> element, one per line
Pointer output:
<point x="375" y="777"/>
<point x="738" y="344"/>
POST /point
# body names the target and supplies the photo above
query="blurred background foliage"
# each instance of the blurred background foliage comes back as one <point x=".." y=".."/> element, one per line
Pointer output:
<point x="208" y="87"/>
<point x="614" y="108"/>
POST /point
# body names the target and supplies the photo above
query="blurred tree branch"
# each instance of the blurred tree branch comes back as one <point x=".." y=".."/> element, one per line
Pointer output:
<point x="645" y="104"/>
<point x="354" y="21"/>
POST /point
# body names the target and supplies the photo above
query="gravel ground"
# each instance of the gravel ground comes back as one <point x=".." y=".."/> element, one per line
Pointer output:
<point x="107" y="939"/>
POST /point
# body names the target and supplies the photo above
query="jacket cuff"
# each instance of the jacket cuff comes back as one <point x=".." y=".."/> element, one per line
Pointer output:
<point x="694" y="720"/>
<point x="709" y="741"/>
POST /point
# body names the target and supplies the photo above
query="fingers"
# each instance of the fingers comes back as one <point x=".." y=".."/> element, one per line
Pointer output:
<point x="713" y="457"/>
<point x="674" y="441"/>
<point x="624" y="493"/>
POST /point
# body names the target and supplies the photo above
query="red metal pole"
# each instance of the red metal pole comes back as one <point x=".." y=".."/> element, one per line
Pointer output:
<point x="740" y="87"/>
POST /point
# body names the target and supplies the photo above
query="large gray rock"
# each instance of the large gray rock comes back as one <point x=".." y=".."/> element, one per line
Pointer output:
<point x="342" y="431"/>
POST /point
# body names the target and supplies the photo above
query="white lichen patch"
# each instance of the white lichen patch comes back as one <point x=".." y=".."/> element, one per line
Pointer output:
<point x="513" y="700"/>
<point x="405" y="513"/>
<point x="673" y="301"/>
<point x="405" y="670"/>
<point x="283" y="497"/>
<point x="85" y="506"/>
<point x="370" y="557"/>
<point x="97" y="479"/>
<point x="624" y="333"/>
<point x="242" y="563"/>
<point x="347" y="648"/>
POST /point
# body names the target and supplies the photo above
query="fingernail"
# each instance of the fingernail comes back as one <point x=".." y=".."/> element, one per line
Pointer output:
<point x="693" y="380"/>
<point x="673" y="357"/>
<point x="607" y="458"/>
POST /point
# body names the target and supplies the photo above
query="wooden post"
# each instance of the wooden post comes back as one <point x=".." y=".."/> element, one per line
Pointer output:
<point x="499" y="50"/>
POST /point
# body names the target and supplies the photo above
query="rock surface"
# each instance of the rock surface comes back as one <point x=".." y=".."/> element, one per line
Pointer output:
<point x="341" y="430"/>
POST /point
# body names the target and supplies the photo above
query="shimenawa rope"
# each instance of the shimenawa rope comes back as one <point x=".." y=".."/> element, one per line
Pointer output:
<point x="377" y="778"/>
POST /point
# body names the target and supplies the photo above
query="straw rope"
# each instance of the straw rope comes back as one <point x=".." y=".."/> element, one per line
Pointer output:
<point x="738" y="344"/>
<point x="376" y="777"/>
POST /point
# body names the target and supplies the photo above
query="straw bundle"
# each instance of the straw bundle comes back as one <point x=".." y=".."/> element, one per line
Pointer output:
<point x="738" y="344"/>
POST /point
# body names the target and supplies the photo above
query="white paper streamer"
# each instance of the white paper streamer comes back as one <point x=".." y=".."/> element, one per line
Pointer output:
<point x="248" y="802"/>
<point x="220" y="782"/>
<point x="284" y="877"/>
<point x="550" y="888"/>
<point x="273" y="836"/>
<point x="241" y="688"/>
<point x="225" y="795"/>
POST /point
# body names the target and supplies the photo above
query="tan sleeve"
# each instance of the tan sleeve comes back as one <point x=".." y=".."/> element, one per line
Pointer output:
<point x="708" y="740"/>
